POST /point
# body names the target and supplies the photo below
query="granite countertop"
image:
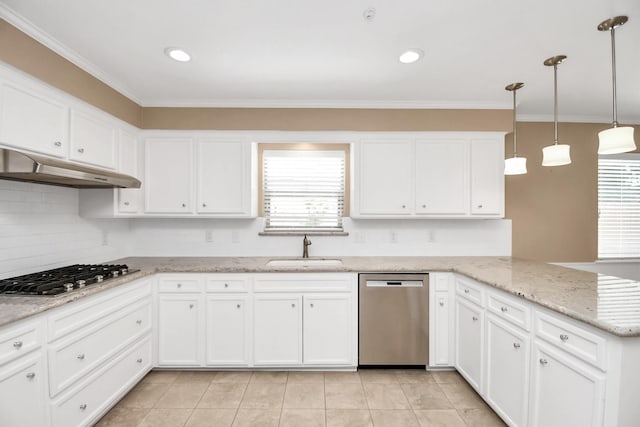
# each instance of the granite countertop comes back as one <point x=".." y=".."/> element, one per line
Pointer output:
<point x="609" y="303"/>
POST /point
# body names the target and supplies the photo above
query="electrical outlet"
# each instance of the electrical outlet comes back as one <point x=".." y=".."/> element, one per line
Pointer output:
<point x="393" y="236"/>
<point x="208" y="236"/>
<point x="431" y="236"/>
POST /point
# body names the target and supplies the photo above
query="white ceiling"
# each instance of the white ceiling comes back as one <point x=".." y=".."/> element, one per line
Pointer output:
<point x="294" y="53"/>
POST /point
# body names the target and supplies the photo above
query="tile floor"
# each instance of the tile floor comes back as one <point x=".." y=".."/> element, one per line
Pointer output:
<point x="380" y="398"/>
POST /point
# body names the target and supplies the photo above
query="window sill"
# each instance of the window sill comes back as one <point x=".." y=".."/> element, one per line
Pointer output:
<point x="303" y="233"/>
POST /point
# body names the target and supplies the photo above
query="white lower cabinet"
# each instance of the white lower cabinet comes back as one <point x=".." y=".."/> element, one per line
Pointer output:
<point x="441" y="320"/>
<point x="507" y="374"/>
<point x="327" y="340"/>
<point x="469" y="342"/>
<point x="277" y="329"/>
<point x="227" y="330"/>
<point x="23" y="397"/>
<point x="565" y="391"/>
<point x="179" y="330"/>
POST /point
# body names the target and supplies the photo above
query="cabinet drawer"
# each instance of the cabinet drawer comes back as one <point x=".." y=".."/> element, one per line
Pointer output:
<point x="577" y="341"/>
<point x="509" y="309"/>
<point x="180" y="284"/>
<point x="70" y="318"/>
<point x="440" y="281"/>
<point x="84" y="404"/>
<point x="227" y="284"/>
<point x="303" y="283"/>
<point x="469" y="290"/>
<point x="18" y="340"/>
<point x="73" y="357"/>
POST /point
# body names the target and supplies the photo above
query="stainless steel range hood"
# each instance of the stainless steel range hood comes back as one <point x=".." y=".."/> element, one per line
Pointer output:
<point x="17" y="165"/>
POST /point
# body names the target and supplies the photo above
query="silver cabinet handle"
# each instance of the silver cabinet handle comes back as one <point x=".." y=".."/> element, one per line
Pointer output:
<point x="126" y="203"/>
<point x="466" y="291"/>
<point x="179" y="285"/>
<point x="503" y="309"/>
<point x="80" y="356"/>
<point x="238" y="306"/>
<point x="139" y="360"/>
<point x="516" y="345"/>
<point x="475" y="319"/>
<point x="31" y="375"/>
<point x="139" y="321"/>
<point x="57" y="143"/>
<point x="564" y="337"/>
<point x="311" y="305"/>
<point x="17" y="345"/>
<point x="543" y="362"/>
<point x="226" y="285"/>
<point x="184" y="205"/>
<point x="441" y="303"/>
<point x="479" y="206"/>
<point x="204" y="205"/>
<point x="424" y="206"/>
<point x="191" y="306"/>
<point x="293" y="306"/>
<point x="83" y="406"/>
<point x="404" y="206"/>
<point x="80" y="150"/>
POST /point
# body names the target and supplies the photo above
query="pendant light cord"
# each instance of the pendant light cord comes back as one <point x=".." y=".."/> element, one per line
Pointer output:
<point x="515" y="128"/>
<point x="555" y="104"/>
<point x="613" y="76"/>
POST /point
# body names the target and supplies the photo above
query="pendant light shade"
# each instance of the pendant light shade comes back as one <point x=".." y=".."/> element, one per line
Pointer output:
<point x="556" y="154"/>
<point x="515" y="165"/>
<point x="615" y="139"/>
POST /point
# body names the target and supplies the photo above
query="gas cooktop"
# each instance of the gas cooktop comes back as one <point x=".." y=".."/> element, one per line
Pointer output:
<point x="62" y="280"/>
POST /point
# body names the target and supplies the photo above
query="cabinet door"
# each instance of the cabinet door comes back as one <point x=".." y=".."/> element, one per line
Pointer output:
<point x="128" y="198"/>
<point x="487" y="177"/>
<point x="93" y="140"/>
<point x="565" y="392"/>
<point x="227" y="330"/>
<point x="277" y="329"/>
<point x="469" y="339"/>
<point x="168" y="175"/>
<point x="441" y="329"/>
<point x="179" y="330"/>
<point x="507" y="378"/>
<point x="327" y="329"/>
<point x="385" y="178"/>
<point x="23" y="392"/>
<point x="33" y="121"/>
<point x="224" y="177"/>
<point x="442" y="177"/>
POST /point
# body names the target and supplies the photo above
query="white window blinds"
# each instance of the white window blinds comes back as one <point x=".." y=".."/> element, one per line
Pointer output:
<point x="303" y="190"/>
<point x="619" y="207"/>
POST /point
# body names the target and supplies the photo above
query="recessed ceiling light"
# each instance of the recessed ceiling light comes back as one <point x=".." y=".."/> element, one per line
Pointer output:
<point x="411" y="55"/>
<point x="177" y="54"/>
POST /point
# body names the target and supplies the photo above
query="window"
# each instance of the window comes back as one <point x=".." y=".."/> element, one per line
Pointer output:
<point x="303" y="186"/>
<point x="619" y="206"/>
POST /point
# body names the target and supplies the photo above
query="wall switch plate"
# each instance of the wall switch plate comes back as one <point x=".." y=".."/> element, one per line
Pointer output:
<point x="393" y="236"/>
<point x="431" y="236"/>
<point x="208" y="236"/>
<point x="235" y="237"/>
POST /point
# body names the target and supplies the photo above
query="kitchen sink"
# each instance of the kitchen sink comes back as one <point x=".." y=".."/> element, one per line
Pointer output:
<point x="305" y="262"/>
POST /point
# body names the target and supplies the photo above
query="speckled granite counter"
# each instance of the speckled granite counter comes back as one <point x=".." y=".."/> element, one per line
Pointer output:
<point x="608" y="303"/>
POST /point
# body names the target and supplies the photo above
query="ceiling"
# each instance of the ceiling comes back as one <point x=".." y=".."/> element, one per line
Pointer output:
<point x="293" y="53"/>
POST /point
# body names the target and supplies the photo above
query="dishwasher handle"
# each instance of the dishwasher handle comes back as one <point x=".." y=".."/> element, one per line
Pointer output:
<point x="395" y="283"/>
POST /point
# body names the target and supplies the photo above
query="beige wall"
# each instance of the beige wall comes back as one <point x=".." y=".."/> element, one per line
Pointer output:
<point x="553" y="210"/>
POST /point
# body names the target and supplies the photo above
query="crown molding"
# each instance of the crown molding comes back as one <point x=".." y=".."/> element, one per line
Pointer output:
<point x="30" y="29"/>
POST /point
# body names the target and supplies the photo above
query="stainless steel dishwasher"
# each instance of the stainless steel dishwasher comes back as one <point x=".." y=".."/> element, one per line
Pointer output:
<point x="393" y="320"/>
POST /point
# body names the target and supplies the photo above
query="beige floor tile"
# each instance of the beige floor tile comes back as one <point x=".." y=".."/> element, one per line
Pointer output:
<point x="426" y="396"/>
<point x="302" y="418"/>
<point x="385" y="396"/>
<point x="233" y="377"/>
<point x="414" y="376"/>
<point x="263" y="396"/>
<point x="348" y="418"/>
<point x="166" y="418"/>
<point x="306" y="377"/>
<point x="304" y="396"/>
<point x="211" y="418"/>
<point x="185" y="395"/>
<point x="439" y="418"/>
<point x="269" y="377"/>
<point x="161" y="377"/>
<point x="462" y="396"/>
<point x="342" y="377"/>
<point x="223" y="395"/>
<point x="123" y="417"/>
<point x="380" y="376"/>
<point x="257" y="418"/>
<point x="196" y="376"/>
<point x="480" y="417"/>
<point x="394" y="418"/>
<point x="144" y="395"/>
<point x="447" y="377"/>
<point x="345" y="396"/>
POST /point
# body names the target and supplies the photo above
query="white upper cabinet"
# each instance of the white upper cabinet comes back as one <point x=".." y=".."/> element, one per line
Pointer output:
<point x="224" y="177"/>
<point x="93" y="139"/>
<point x="442" y="177"/>
<point x="129" y="199"/>
<point x="385" y="178"/>
<point x="168" y="175"/>
<point x="487" y="177"/>
<point x="438" y="175"/>
<point x="34" y="121"/>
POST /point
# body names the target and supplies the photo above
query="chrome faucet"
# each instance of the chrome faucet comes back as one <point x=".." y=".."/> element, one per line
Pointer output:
<point x="305" y="246"/>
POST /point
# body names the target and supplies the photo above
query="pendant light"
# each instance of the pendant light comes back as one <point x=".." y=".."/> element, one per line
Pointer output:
<point x="515" y="165"/>
<point x="615" y="139"/>
<point x="556" y="154"/>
